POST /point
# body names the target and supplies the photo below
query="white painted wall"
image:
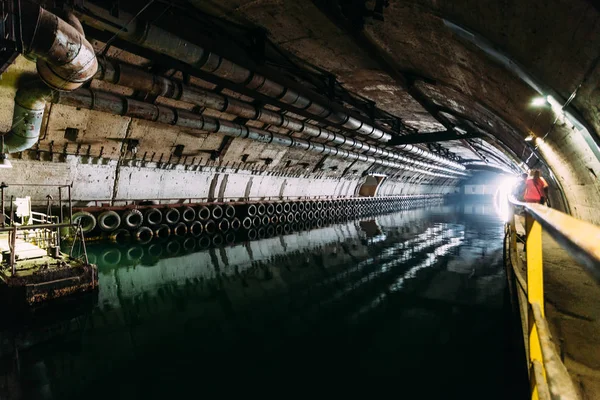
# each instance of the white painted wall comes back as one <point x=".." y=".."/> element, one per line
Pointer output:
<point x="96" y="179"/>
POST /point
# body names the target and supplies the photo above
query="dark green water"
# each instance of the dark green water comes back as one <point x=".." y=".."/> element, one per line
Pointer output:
<point x="414" y="301"/>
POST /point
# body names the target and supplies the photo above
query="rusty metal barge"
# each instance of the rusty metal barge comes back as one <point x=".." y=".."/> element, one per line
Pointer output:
<point x="33" y="269"/>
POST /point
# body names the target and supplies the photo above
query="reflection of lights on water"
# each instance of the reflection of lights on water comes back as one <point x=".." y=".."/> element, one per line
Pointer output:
<point x="504" y="190"/>
<point x="377" y="239"/>
<point x="432" y="237"/>
<point x="431" y="259"/>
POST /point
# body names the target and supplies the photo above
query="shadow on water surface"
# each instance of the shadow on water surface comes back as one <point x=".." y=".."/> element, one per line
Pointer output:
<point x="416" y="295"/>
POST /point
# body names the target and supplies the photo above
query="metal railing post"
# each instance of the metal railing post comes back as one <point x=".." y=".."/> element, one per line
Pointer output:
<point x="82" y="238"/>
<point x="60" y="204"/>
<point x="535" y="291"/>
<point x="2" y="186"/>
<point x="13" y="252"/>
<point x="70" y="204"/>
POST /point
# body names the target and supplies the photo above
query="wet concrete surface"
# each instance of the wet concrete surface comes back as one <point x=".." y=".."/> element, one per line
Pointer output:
<point x="415" y="298"/>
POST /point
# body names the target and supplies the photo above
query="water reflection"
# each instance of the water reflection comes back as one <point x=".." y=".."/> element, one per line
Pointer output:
<point x="323" y="299"/>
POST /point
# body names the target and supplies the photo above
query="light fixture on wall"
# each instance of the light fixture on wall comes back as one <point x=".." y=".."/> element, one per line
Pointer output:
<point x="539" y="102"/>
<point x="530" y="138"/>
<point x="4" y="162"/>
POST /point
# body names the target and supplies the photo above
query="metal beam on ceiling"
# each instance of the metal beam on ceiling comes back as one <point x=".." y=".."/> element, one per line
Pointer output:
<point x="354" y="27"/>
<point x="474" y="150"/>
<point x="441" y="136"/>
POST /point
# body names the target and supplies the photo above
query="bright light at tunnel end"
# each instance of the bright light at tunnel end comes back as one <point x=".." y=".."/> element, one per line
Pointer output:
<point x="505" y="188"/>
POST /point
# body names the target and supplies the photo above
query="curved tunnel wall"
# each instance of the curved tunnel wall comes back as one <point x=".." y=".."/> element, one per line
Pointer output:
<point x="99" y="164"/>
<point x="556" y="42"/>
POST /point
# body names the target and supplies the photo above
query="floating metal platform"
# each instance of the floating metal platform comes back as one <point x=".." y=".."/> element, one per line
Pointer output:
<point x="40" y="279"/>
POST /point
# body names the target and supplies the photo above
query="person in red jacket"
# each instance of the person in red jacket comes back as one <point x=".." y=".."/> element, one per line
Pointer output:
<point x="536" y="189"/>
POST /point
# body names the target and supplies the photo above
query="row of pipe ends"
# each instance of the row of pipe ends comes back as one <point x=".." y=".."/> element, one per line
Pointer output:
<point x="65" y="60"/>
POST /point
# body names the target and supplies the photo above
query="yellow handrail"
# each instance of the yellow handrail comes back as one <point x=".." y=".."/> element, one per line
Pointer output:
<point x="548" y="375"/>
<point x="580" y="238"/>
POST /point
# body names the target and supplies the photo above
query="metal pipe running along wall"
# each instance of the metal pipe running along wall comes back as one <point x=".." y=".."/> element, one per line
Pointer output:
<point x="64" y="59"/>
<point x="156" y="39"/>
<point x="123" y="74"/>
<point x="121" y="105"/>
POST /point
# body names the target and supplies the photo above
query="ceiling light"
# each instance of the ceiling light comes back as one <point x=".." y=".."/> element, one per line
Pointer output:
<point x="530" y="138"/>
<point x="539" y="102"/>
<point x="4" y="162"/>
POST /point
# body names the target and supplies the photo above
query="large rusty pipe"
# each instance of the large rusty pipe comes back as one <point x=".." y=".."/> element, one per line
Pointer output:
<point x="123" y="74"/>
<point x="122" y="105"/>
<point x="65" y="60"/>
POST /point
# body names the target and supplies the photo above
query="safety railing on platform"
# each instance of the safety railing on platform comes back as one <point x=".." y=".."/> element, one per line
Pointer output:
<point x="548" y="375"/>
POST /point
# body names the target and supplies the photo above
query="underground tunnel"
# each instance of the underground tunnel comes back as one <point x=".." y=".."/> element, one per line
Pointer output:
<point x="213" y="192"/>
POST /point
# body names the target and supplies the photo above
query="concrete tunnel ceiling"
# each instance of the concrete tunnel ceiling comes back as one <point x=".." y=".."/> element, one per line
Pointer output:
<point x="378" y="49"/>
<point x="402" y="66"/>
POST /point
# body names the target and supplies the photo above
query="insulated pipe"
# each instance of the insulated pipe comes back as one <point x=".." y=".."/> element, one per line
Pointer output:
<point x="159" y="40"/>
<point x="121" y="105"/>
<point x="30" y="103"/>
<point x="65" y="61"/>
<point x="119" y="73"/>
